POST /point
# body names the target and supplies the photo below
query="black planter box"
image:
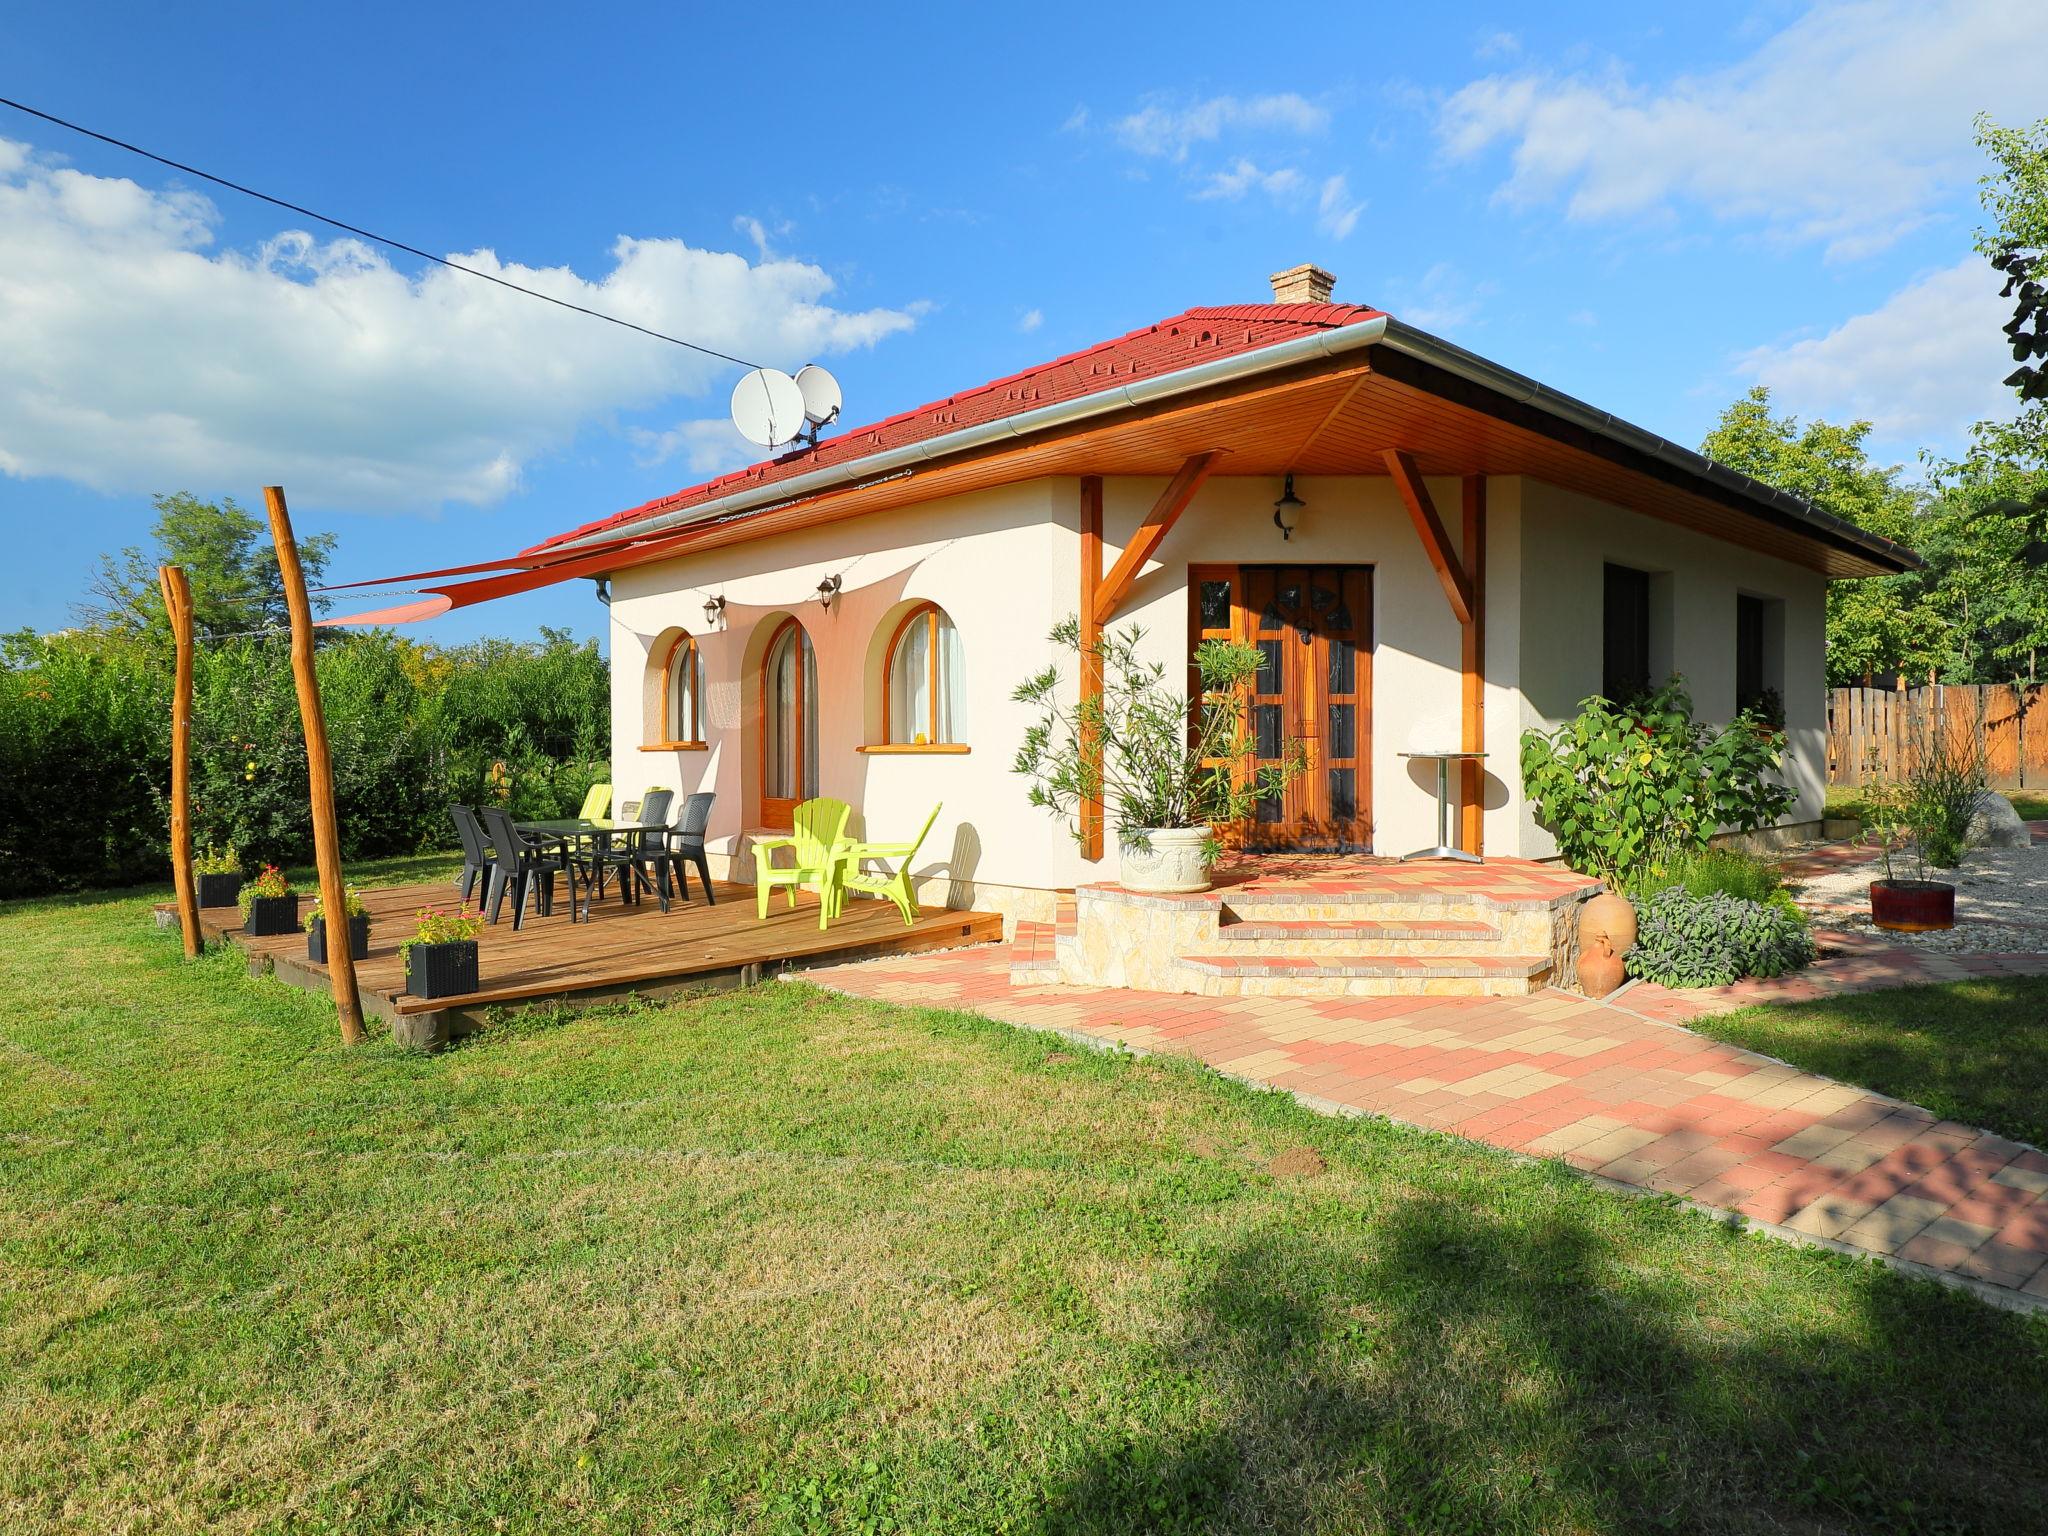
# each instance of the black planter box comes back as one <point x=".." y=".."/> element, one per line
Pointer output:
<point x="441" y="970"/>
<point x="219" y="890"/>
<point x="272" y="915"/>
<point x="358" y="939"/>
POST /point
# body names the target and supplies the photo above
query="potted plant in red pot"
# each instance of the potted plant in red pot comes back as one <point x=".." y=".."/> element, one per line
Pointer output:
<point x="1919" y="826"/>
<point x="358" y="928"/>
<point x="269" y="904"/>
<point x="440" y="957"/>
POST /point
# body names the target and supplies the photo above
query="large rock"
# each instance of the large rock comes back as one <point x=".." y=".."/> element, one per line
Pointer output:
<point x="1995" y="824"/>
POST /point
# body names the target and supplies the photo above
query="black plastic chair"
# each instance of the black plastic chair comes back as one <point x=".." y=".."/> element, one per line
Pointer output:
<point x="476" y="852"/>
<point x="686" y="844"/>
<point x="641" y="858"/>
<point x="527" y="866"/>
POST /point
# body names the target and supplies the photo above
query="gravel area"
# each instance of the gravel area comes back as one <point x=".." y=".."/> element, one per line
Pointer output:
<point x="2001" y="902"/>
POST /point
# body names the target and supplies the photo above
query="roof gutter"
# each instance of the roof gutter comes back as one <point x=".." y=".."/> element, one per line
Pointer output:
<point x="1515" y="386"/>
<point x="1102" y="402"/>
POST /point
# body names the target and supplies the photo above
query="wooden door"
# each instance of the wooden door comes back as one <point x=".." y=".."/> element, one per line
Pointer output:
<point x="1313" y="626"/>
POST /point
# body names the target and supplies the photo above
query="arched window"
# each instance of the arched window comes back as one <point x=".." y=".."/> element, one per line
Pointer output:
<point x="926" y="699"/>
<point x="682" y="693"/>
<point x="789" y="724"/>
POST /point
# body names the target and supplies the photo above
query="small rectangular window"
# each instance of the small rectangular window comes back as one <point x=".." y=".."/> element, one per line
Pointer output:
<point x="1749" y="652"/>
<point x="1625" y="633"/>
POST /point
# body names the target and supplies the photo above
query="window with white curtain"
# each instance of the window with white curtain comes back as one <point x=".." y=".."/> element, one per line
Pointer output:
<point x="683" y="693"/>
<point x="789" y="721"/>
<point x="927" y="681"/>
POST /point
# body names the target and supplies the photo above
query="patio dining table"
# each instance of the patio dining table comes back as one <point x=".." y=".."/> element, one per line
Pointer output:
<point x="577" y="829"/>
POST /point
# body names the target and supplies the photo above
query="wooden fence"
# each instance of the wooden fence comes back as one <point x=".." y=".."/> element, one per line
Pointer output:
<point x="1872" y="731"/>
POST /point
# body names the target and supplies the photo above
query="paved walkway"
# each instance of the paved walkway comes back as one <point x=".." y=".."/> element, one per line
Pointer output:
<point x="1612" y="1088"/>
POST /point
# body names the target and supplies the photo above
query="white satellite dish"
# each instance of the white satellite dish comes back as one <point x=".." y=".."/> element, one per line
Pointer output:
<point x="767" y="407"/>
<point x="821" y="395"/>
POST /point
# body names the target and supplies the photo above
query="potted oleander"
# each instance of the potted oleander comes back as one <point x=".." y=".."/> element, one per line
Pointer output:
<point x="440" y="957"/>
<point x="358" y="928"/>
<point x="269" y="904"/>
<point x="1171" y="769"/>
<point x="219" y="872"/>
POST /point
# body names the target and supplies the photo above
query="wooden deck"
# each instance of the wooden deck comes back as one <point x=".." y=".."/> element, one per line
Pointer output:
<point x="620" y="950"/>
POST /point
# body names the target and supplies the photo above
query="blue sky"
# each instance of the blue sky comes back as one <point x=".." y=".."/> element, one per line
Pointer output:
<point x="1649" y="214"/>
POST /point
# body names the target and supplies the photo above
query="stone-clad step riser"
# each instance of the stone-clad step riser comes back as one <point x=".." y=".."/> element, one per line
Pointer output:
<point x="1337" y="909"/>
<point x="1206" y="985"/>
<point x="1383" y="943"/>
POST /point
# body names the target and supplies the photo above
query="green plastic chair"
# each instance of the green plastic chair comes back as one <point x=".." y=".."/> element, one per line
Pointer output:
<point x="895" y="885"/>
<point x="596" y="803"/>
<point x="815" y="837"/>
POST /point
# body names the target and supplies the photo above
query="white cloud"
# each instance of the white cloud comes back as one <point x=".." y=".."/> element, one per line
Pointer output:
<point x="1919" y="368"/>
<point x="709" y="446"/>
<point x="1336" y="214"/>
<point x="139" y="359"/>
<point x="1284" y="185"/>
<point x="1441" y="301"/>
<point x="1498" y="45"/>
<point x="1164" y="127"/>
<point x="1844" y="127"/>
<point x="1030" y="320"/>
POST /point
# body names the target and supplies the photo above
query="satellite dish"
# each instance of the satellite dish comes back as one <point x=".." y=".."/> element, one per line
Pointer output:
<point x="767" y="407"/>
<point x="821" y="395"/>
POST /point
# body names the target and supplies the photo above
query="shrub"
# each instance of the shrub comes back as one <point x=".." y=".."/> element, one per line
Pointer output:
<point x="1683" y="940"/>
<point x="1625" y="788"/>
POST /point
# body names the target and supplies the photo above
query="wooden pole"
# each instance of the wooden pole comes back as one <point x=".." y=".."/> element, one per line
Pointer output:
<point x="1091" y="657"/>
<point x="1472" y="786"/>
<point x="178" y="606"/>
<point x="341" y="965"/>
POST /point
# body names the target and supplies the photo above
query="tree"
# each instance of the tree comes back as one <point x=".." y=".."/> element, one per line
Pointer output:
<point x="2016" y="197"/>
<point x="1876" y="626"/>
<point x="227" y="557"/>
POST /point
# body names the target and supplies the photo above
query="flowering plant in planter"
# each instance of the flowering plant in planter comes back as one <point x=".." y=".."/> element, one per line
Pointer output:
<point x="218" y="874"/>
<point x="358" y="927"/>
<point x="1919" y="825"/>
<point x="1171" y="768"/>
<point x="440" y="958"/>
<point x="269" y="904"/>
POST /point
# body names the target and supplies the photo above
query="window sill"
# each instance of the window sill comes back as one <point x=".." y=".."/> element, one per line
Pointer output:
<point x="897" y="748"/>
<point x="677" y="746"/>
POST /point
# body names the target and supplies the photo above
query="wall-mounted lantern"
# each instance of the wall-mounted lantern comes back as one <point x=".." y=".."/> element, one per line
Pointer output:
<point x="1287" y="510"/>
<point x="714" y="611"/>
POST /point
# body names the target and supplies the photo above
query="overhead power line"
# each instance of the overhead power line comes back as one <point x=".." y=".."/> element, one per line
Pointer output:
<point x="353" y="229"/>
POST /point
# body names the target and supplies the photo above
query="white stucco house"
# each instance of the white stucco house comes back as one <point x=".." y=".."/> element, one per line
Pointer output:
<point x="1472" y="554"/>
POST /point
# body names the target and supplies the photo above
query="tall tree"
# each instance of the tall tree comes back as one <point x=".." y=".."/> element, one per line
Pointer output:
<point x="2015" y="195"/>
<point x="226" y="556"/>
<point x="1878" y="626"/>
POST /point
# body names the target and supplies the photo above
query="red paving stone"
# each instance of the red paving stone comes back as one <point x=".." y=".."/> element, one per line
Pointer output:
<point x="1616" y="1086"/>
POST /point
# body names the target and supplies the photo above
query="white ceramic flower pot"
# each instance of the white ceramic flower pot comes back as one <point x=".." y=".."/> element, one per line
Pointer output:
<point x="1170" y="864"/>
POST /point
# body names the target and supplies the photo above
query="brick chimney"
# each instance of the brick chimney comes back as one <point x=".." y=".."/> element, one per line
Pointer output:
<point x="1305" y="284"/>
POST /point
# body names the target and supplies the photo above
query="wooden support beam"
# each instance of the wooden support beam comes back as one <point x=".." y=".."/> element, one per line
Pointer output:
<point x="1166" y="511"/>
<point x="1091" y="654"/>
<point x="178" y="606"/>
<point x="1472" y="788"/>
<point x="1430" y="529"/>
<point x="341" y="965"/>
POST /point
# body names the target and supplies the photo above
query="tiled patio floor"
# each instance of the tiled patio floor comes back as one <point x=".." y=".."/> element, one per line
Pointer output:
<point x="1612" y="1088"/>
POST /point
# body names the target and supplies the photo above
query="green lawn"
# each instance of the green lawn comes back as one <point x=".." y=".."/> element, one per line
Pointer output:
<point x="1975" y="1051"/>
<point x="781" y="1261"/>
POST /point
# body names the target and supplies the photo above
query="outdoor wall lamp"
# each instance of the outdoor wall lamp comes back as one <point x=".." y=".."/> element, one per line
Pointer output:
<point x="828" y="589"/>
<point x="1287" y="510"/>
<point x="714" y="610"/>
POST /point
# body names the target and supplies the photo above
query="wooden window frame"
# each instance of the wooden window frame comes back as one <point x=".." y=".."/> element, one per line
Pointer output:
<point x="931" y="613"/>
<point x="684" y="646"/>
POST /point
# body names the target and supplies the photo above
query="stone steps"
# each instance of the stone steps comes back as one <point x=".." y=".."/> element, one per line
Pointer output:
<point x="1365" y="974"/>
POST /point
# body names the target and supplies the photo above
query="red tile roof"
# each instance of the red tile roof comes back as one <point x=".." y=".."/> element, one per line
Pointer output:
<point x="1182" y="341"/>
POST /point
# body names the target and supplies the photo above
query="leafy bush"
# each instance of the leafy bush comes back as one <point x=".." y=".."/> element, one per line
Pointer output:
<point x="85" y="747"/>
<point x="1683" y="940"/>
<point x="1627" y="788"/>
<point x="1727" y="871"/>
